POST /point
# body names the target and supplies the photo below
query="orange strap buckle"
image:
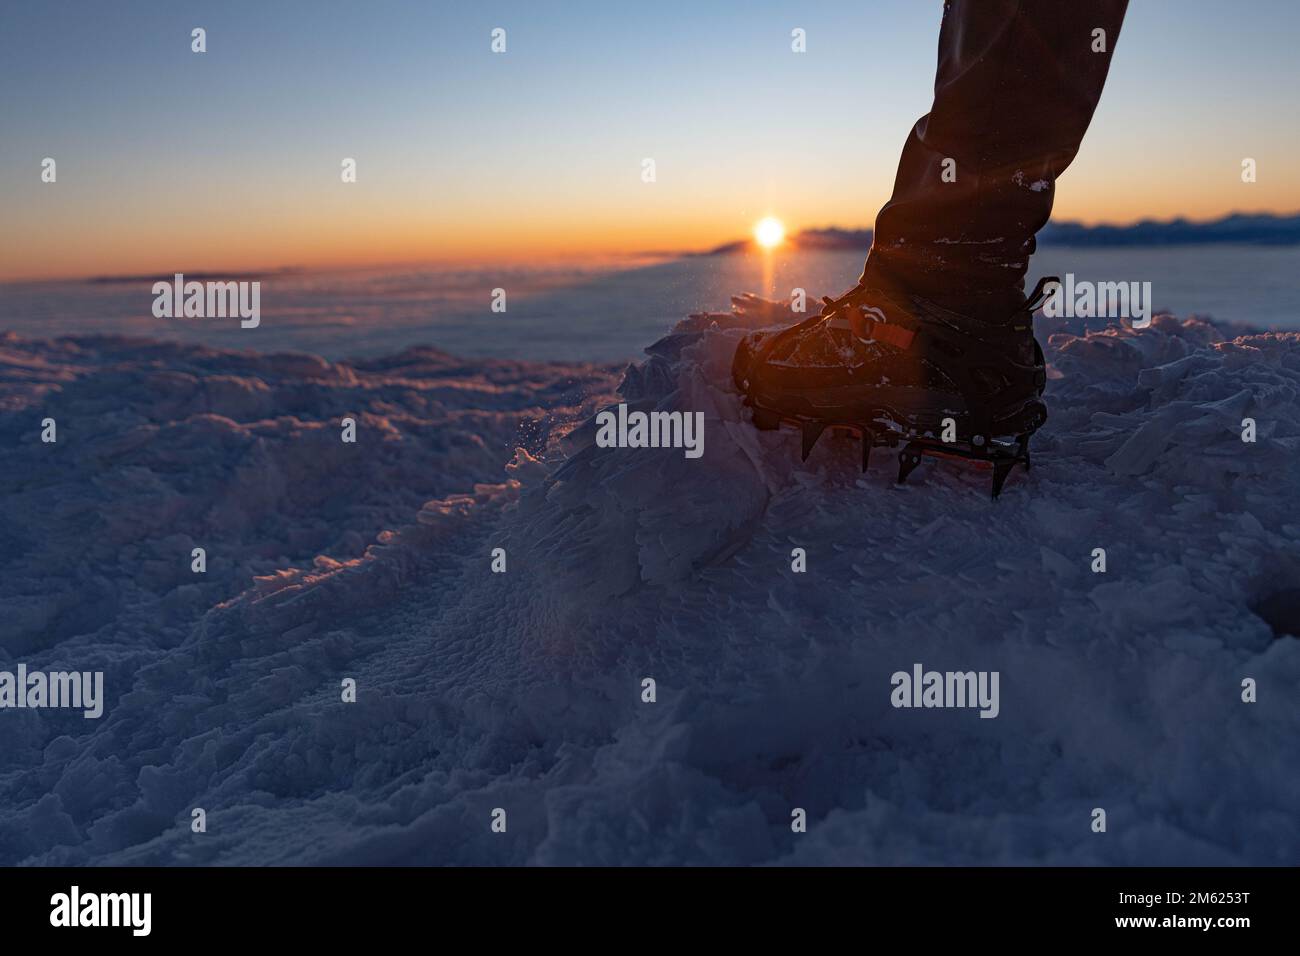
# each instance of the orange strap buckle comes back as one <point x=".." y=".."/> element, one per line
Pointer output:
<point x="894" y="335"/>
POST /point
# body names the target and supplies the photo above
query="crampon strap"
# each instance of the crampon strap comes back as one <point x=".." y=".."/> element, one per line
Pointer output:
<point x="1040" y="293"/>
<point x="866" y="328"/>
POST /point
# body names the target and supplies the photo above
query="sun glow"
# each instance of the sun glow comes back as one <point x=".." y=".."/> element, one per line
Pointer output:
<point x="769" y="232"/>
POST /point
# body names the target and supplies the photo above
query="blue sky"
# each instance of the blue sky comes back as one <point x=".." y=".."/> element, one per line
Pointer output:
<point x="458" y="148"/>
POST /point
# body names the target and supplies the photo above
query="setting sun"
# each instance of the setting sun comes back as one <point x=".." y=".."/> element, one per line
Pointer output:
<point x="769" y="232"/>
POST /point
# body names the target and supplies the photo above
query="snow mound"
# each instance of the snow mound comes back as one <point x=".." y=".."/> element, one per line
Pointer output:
<point x="523" y="690"/>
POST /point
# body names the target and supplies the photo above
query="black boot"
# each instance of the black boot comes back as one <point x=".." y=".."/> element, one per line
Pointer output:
<point x="899" y="368"/>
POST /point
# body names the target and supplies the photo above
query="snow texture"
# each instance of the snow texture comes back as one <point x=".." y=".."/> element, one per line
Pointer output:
<point x="522" y="690"/>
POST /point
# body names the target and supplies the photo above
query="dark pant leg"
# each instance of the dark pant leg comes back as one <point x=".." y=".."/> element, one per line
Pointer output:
<point x="1016" y="86"/>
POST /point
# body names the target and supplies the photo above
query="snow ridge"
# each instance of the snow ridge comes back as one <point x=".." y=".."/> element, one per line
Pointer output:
<point x="523" y="690"/>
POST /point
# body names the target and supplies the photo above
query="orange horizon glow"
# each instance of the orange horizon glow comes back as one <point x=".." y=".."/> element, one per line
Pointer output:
<point x="364" y="237"/>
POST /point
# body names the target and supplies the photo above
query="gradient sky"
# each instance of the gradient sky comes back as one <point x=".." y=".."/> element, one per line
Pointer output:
<point x="173" y="161"/>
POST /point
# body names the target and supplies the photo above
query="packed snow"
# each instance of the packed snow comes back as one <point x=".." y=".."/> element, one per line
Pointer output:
<point x="523" y="690"/>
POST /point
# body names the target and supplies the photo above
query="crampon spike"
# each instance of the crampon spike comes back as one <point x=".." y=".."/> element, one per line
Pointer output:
<point x="765" y="420"/>
<point x="811" y="432"/>
<point x="868" y="439"/>
<point x="908" y="459"/>
<point x="1001" y="469"/>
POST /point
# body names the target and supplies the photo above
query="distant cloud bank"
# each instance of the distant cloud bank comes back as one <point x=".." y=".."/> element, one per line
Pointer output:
<point x="1238" y="228"/>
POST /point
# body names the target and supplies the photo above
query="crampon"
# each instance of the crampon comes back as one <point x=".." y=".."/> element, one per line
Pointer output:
<point x="904" y="373"/>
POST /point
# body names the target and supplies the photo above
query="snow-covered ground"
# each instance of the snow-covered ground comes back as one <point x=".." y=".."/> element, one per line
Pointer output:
<point x="523" y="690"/>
